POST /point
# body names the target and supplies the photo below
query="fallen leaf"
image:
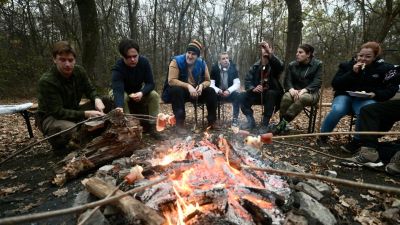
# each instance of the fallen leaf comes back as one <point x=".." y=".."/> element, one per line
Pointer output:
<point x="368" y="197"/>
<point x="60" y="192"/>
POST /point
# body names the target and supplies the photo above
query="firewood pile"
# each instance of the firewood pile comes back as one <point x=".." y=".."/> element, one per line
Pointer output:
<point x="208" y="186"/>
<point x="120" y="137"/>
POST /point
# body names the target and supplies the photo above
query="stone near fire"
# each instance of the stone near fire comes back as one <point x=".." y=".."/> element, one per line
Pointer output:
<point x="308" y="189"/>
<point x="96" y="219"/>
<point x="293" y="219"/>
<point x="321" y="187"/>
<point x="392" y="215"/>
<point x="314" y="211"/>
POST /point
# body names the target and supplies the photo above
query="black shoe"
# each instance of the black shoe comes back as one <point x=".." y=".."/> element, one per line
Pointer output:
<point x="264" y="129"/>
<point x="352" y="147"/>
<point x="157" y="135"/>
<point x="322" y="142"/>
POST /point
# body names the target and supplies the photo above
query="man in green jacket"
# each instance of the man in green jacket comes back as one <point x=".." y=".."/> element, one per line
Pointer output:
<point x="60" y="91"/>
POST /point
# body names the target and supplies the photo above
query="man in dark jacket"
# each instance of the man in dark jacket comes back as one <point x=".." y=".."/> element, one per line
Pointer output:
<point x="262" y="86"/>
<point x="60" y="91"/>
<point x="132" y="75"/>
<point x="225" y="81"/>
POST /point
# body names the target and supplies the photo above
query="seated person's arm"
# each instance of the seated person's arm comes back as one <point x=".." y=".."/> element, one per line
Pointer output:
<point x="212" y="85"/>
<point x="173" y="76"/>
<point x="315" y="84"/>
<point x="235" y="86"/>
<point x="118" y="89"/>
<point x="206" y="82"/>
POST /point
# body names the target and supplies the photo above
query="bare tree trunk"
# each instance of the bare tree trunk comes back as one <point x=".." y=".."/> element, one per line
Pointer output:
<point x="180" y="27"/>
<point x="132" y="11"/>
<point x="389" y="20"/>
<point x="294" y="28"/>
<point x="90" y="33"/>
<point x="155" y="67"/>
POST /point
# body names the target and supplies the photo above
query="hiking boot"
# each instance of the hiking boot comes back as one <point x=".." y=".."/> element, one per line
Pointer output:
<point x="393" y="167"/>
<point x="351" y="147"/>
<point x="280" y="127"/>
<point x="251" y="123"/>
<point x="368" y="156"/>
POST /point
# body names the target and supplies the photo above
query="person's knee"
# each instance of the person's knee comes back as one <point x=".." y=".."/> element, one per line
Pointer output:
<point x="176" y="91"/>
<point x="154" y="97"/>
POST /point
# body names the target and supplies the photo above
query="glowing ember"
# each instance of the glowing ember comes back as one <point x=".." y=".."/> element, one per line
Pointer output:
<point x="207" y="173"/>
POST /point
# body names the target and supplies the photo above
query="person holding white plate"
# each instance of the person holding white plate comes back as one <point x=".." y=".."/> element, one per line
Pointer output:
<point x="365" y="73"/>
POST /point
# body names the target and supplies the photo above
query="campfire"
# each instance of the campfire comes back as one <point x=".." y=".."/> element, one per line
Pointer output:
<point x="211" y="186"/>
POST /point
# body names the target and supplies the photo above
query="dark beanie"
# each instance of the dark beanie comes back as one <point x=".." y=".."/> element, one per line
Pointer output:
<point x="194" y="46"/>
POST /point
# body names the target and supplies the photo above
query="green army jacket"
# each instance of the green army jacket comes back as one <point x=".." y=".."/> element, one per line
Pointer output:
<point x="59" y="96"/>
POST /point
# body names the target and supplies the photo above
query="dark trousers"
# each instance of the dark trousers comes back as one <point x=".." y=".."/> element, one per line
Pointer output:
<point x="379" y="117"/>
<point x="270" y="99"/>
<point x="235" y="99"/>
<point x="50" y="125"/>
<point x="180" y="95"/>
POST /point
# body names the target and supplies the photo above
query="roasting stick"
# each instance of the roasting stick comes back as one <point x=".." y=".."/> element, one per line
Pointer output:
<point x="48" y="137"/>
<point x="44" y="215"/>
<point x="349" y="183"/>
<point x="341" y="132"/>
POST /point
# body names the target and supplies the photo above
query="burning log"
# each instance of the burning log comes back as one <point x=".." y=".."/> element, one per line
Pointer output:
<point x="213" y="189"/>
<point x="121" y="137"/>
<point x="132" y="208"/>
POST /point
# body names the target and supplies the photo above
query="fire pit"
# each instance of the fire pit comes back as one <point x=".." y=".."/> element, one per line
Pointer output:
<point x="213" y="188"/>
<point x="209" y="186"/>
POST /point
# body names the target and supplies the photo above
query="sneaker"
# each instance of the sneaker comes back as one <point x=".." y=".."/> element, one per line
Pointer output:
<point x="352" y="147"/>
<point x="393" y="167"/>
<point x="367" y="156"/>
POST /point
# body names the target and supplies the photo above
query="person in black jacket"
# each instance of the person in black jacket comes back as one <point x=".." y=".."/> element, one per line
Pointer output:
<point x="302" y="84"/>
<point x="132" y="75"/>
<point x="226" y="83"/>
<point x="263" y="87"/>
<point x="357" y="83"/>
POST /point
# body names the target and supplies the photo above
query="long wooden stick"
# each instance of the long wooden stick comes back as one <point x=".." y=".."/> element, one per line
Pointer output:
<point x="380" y="188"/>
<point x="46" y="138"/>
<point x="337" y="133"/>
<point x="45" y="215"/>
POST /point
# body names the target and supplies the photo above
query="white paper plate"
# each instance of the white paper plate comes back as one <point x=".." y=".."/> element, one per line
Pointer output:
<point x="359" y="94"/>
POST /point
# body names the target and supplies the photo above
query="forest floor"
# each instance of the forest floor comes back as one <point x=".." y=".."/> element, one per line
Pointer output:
<point x="25" y="185"/>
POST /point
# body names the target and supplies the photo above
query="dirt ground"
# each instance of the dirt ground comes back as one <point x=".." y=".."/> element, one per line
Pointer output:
<point x="25" y="185"/>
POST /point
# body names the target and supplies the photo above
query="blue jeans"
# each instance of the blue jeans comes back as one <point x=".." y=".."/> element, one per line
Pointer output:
<point x="343" y="105"/>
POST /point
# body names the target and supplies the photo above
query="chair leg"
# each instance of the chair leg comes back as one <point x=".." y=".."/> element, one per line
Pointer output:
<point x="195" y="113"/>
<point x="26" y="116"/>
